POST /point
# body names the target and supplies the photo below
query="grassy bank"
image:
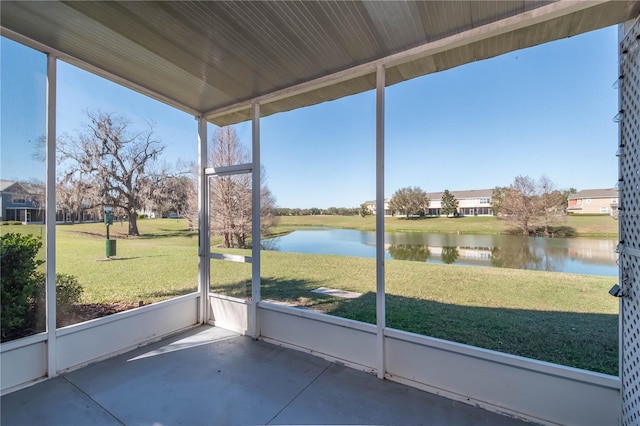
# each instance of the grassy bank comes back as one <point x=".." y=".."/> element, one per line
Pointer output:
<point x="562" y="318"/>
<point x="601" y="226"/>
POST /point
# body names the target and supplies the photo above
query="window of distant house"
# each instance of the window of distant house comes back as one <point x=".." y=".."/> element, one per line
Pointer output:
<point x="19" y="199"/>
<point x="614" y="201"/>
<point x="485" y="200"/>
<point x="603" y="209"/>
<point x="588" y="200"/>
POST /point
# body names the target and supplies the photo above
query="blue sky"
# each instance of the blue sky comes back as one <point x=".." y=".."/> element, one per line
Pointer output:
<point x="545" y="110"/>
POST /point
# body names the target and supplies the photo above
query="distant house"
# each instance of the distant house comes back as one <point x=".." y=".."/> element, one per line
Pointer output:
<point x="474" y="202"/>
<point x="22" y="201"/>
<point x="64" y="214"/>
<point x="594" y="201"/>
<point x="371" y="206"/>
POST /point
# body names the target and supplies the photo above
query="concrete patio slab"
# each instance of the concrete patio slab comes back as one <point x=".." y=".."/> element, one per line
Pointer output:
<point x="210" y="376"/>
<point x="51" y="403"/>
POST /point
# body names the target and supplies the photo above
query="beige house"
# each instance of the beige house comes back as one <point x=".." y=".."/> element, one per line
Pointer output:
<point x="371" y="206"/>
<point x="474" y="202"/>
<point x="594" y="201"/>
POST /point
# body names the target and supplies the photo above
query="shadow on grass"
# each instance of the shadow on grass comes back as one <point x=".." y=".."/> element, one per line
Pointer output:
<point x="293" y="292"/>
<point x="416" y="218"/>
<point x="168" y="294"/>
<point x="169" y="234"/>
<point x="581" y="340"/>
<point x="115" y="259"/>
<point x="123" y="234"/>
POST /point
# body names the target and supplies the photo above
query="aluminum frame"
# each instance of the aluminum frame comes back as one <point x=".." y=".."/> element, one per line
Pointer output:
<point x="256" y="189"/>
<point x="203" y="222"/>
<point x="50" y="294"/>
<point x="380" y="270"/>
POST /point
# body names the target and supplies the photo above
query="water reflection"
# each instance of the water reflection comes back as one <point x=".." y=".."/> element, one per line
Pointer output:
<point x="523" y="257"/>
<point x="414" y="252"/>
<point x="577" y="255"/>
<point x="449" y="255"/>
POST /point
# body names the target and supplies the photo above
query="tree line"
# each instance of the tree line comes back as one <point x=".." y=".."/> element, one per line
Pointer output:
<point x="526" y="204"/>
<point x="315" y="211"/>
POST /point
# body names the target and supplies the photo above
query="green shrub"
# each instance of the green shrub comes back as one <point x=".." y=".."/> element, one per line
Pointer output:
<point x="10" y="222"/>
<point x="68" y="293"/>
<point x="19" y="282"/>
<point x="24" y="288"/>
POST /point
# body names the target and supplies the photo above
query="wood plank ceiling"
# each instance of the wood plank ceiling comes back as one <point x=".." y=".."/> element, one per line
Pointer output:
<point x="213" y="58"/>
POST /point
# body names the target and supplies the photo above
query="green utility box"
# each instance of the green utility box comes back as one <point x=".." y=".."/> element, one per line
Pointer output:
<point x="111" y="248"/>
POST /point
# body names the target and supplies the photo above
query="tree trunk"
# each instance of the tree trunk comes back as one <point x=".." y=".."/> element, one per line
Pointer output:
<point x="240" y="238"/>
<point x="133" y="223"/>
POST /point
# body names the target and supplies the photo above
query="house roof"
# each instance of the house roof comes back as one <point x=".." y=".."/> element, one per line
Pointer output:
<point x="24" y="187"/>
<point x="595" y="193"/>
<point x="460" y="195"/>
<point x="213" y="58"/>
<point x="6" y="184"/>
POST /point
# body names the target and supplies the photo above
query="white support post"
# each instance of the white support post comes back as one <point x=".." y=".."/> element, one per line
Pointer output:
<point x="203" y="223"/>
<point x="254" y="326"/>
<point x="50" y="217"/>
<point x="380" y="274"/>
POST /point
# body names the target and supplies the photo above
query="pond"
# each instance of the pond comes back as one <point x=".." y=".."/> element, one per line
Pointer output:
<point x="591" y="256"/>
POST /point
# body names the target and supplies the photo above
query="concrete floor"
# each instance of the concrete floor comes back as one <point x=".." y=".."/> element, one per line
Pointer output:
<point x="210" y="376"/>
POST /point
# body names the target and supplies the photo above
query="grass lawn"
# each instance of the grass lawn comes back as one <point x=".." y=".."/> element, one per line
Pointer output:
<point x="562" y="318"/>
<point x="604" y="225"/>
<point x="161" y="264"/>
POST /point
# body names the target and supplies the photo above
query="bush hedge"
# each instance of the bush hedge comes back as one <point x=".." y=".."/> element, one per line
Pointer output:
<point x="19" y="283"/>
<point x="23" y="288"/>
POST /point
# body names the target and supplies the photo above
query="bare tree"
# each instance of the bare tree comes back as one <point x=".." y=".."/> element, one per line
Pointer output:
<point x="117" y="161"/>
<point x="73" y="195"/>
<point x="519" y="205"/>
<point x="527" y="204"/>
<point x="410" y="201"/>
<point x="551" y="208"/>
<point x="268" y="218"/>
<point x="178" y="194"/>
<point x="230" y="195"/>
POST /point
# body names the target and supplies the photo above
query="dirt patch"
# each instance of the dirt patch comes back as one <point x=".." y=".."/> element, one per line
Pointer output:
<point x="76" y="314"/>
<point x="89" y="311"/>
